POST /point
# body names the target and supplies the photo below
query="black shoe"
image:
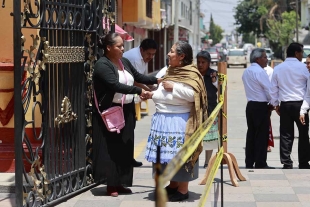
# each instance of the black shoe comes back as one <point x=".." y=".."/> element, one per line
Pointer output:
<point x="266" y="167"/>
<point x="306" y="166"/>
<point x="287" y="166"/>
<point x="135" y="163"/>
<point x="171" y="191"/>
<point x="178" y="197"/>
<point x="249" y="167"/>
<point x="206" y="165"/>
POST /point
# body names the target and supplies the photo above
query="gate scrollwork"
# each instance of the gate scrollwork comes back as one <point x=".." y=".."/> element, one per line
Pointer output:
<point x="57" y="91"/>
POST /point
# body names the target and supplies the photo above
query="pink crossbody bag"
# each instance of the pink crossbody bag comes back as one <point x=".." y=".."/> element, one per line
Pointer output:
<point x="113" y="117"/>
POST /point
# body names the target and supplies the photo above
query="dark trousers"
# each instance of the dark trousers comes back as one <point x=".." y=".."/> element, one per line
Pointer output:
<point x="289" y="113"/>
<point x="257" y="115"/>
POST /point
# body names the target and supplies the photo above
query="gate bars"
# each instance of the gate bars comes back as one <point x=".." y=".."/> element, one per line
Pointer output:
<point x="57" y="91"/>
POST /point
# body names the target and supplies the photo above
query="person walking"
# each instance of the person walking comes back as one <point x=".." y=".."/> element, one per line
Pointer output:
<point x="139" y="58"/>
<point x="257" y="90"/>
<point x="181" y="106"/>
<point x="288" y="88"/>
<point x="210" y="141"/>
<point x="112" y="152"/>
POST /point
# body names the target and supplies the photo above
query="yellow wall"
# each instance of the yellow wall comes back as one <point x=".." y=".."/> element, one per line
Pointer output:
<point x="130" y="10"/>
<point x="134" y="11"/>
<point x="7" y="57"/>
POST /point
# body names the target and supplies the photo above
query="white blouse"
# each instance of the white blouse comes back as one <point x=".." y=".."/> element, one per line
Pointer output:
<point x="180" y="100"/>
<point x="128" y="97"/>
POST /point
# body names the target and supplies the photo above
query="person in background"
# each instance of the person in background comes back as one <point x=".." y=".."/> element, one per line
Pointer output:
<point x="257" y="90"/>
<point x="288" y="88"/>
<point x="139" y="58"/>
<point x="269" y="71"/>
<point x="181" y="106"/>
<point x="308" y="62"/>
<point x="112" y="153"/>
<point x="210" y="141"/>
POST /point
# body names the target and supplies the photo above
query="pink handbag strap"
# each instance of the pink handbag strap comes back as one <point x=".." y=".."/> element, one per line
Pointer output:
<point x="123" y="97"/>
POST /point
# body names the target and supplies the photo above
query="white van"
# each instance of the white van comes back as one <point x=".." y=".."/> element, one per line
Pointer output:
<point x="236" y="57"/>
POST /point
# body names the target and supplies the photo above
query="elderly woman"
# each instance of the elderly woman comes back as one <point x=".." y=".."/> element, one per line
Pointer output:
<point x="210" y="141"/>
<point x="112" y="152"/>
<point x="180" y="108"/>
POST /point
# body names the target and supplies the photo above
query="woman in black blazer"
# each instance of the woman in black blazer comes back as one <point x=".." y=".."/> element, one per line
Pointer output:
<point x="112" y="152"/>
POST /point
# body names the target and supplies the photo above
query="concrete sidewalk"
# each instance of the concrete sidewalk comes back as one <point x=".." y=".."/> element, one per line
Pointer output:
<point x="263" y="188"/>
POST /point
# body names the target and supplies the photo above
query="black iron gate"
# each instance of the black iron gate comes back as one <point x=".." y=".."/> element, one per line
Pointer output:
<point x="52" y="96"/>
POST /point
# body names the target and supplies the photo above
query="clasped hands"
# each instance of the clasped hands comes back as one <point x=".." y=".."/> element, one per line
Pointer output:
<point x="167" y="85"/>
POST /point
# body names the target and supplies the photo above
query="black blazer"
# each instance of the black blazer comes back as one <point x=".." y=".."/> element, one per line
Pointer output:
<point x="106" y="81"/>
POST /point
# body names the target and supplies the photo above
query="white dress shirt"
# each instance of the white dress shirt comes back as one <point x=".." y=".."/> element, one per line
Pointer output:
<point x="269" y="71"/>
<point x="256" y="83"/>
<point x="180" y="100"/>
<point x="289" y="81"/>
<point x="135" y="58"/>
<point x="305" y="104"/>
<point x="128" y="80"/>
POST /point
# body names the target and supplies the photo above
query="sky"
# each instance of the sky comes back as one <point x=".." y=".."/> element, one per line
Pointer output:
<point x="222" y="13"/>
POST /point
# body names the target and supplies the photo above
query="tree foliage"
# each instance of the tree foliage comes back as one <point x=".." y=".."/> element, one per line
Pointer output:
<point x="215" y="31"/>
<point x="282" y="31"/>
<point x="248" y="16"/>
<point x="248" y="38"/>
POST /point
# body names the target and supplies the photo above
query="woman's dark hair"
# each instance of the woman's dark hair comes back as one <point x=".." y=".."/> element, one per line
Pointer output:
<point x="107" y="40"/>
<point x="183" y="47"/>
<point x="148" y="44"/>
<point x="292" y="48"/>
<point x="204" y="54"/>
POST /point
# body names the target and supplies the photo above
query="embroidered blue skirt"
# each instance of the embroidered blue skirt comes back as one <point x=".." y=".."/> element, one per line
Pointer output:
<point x="210" y="141"/>
<point x="168" y="132"/>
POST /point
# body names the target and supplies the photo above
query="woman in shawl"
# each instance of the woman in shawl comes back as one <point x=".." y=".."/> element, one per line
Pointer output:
<point x="181" y="106"/>
<point x="210" y="141"/>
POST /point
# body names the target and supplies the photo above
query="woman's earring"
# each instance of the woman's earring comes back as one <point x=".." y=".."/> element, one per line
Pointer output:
<point x="180" y="62"/>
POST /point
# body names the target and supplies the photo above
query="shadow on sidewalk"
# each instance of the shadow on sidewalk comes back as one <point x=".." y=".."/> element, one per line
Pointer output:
<point x="192" y="197"/>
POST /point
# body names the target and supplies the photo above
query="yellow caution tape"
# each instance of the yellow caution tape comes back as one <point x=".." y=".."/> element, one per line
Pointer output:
<point x="224" y="138"/>
<point x="210" y="179"/>
<point x="186" y="151"/>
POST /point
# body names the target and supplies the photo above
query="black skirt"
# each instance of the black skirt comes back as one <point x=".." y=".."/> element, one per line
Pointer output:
<point x="113" y="153"/>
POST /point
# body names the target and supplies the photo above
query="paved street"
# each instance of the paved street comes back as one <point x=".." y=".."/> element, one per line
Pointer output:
<point x="263" y="188"/>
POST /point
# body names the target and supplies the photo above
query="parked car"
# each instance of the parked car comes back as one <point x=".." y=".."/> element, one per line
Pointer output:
<point x="236" y="57"/>
<point x="306" y="53"/>
<point x="214" y="53"/>
<point x="270" y="55"/>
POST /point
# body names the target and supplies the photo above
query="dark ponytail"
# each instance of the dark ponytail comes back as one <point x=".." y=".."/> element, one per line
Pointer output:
<point x="106" y="40"/>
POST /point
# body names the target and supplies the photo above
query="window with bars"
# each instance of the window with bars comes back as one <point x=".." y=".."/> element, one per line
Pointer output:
<point x="149" y="8"/>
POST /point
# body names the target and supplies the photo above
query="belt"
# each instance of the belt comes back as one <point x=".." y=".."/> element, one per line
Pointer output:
<point x="283" y="102"/>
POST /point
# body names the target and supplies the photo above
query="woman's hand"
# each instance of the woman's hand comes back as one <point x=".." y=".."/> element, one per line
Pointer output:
<point x="159" y="80"/>
<point x="148" y="94"/>
<point x="213" y="77"/>
<point x="168" y="85"/>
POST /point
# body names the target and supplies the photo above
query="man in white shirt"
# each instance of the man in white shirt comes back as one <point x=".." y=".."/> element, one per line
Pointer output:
<point x="288" y="88"/>
<point x="139" y="58"/>
<point x="257" y="89"/>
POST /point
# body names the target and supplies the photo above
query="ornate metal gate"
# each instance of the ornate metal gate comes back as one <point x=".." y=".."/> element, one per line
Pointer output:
<point x="53" y="122"/>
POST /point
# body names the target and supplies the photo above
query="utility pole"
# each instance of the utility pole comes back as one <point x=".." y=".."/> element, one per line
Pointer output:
<point x="296" y="7"/>
<point x="176" y="21"/>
